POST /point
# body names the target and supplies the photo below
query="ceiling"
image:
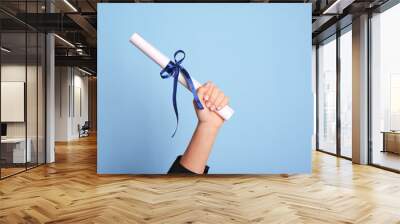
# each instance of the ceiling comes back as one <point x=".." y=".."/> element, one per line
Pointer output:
<point x="75" y="22"/>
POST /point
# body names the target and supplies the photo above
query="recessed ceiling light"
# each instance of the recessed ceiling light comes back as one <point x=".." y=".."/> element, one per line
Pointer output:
<point x="338" y="6"/>
<point x="84" y="71"/>
<point x="65" y="41"/>
<point x="5" y="50"/>
<point x="70" y="5"/>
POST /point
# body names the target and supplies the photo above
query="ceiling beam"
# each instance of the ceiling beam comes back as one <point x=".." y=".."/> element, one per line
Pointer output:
<point x="338" y="6"/>
<point x="321" y="21"/>
<point x="82" y="61"/>
<point x="84" y="24"/>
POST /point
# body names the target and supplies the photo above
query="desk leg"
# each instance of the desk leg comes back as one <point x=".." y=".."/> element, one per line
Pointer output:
<point x="384" y="142"/>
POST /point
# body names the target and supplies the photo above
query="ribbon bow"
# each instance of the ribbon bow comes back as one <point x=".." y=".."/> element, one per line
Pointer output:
<point x="172" y="69"/>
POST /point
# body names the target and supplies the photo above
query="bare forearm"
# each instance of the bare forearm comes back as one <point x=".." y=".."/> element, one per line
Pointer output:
<point x="196" y="155"/>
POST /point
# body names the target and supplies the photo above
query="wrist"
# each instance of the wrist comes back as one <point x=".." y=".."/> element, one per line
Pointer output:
<point x="209" y="126"/>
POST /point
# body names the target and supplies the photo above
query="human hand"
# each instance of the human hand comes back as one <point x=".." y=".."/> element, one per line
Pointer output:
<point x="213" y="99"/>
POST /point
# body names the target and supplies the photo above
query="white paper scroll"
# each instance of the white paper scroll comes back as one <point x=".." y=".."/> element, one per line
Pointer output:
<point x="162" y="61"/>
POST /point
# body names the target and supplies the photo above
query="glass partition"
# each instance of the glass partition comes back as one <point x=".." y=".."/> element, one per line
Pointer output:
<point x="22" y="101"/>
<point x="41" y="88"/>
<point x="13" y="108"/>
<point x="32" y="90"/>
<point x="32" y="96"/>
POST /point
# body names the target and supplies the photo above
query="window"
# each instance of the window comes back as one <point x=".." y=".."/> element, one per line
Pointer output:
<point x="346" y="93"/>
<point x="385" y="89"/>
<point x="327" y="95"/>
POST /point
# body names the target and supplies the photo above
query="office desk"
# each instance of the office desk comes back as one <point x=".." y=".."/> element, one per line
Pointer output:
<point x="391" y="141"/>
<point x="15" y="148"/>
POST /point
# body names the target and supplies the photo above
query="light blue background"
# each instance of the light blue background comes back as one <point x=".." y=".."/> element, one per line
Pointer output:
<point x="258" y="54"/>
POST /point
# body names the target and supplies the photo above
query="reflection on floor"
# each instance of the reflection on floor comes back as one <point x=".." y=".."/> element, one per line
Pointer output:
<point x="386" y="159"/>
<point x="11" y="169"/>
<point x="70" y="191"/>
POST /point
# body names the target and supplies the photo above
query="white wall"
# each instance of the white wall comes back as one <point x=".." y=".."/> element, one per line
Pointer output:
<point x="62" y="82"/>
<point x="9" y="73"/>
<point x="71" y="87"/>
<point x="15" y="72"/>
<point x="80" y="109"/>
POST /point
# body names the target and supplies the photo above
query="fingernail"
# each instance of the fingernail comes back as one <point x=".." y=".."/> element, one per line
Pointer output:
<point x="206" y="97"/>
<point x="219" y="108"/>
<point x="212" y="107"/>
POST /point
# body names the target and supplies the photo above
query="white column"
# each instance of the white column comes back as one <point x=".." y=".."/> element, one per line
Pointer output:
<point x="50" y="92"/>
<point x="360" y="90"/>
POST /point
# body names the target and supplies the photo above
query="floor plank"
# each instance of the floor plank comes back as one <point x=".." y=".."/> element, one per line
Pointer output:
<point x="70" y="191"/>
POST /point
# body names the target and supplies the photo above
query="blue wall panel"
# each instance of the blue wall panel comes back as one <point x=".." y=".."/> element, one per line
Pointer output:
<point x="258" y="54"/>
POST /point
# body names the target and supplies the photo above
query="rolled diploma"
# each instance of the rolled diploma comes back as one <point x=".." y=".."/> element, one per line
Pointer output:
<point x="159" y="58"/>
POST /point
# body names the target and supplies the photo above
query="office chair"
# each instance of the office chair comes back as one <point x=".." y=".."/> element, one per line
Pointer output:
<point x="84" y="130"/>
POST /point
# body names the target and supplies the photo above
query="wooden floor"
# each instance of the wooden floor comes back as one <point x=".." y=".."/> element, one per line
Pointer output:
<point x="70" y="191"/>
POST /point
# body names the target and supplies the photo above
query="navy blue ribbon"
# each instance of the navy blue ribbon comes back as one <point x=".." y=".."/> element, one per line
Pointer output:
<point x="172" y="70"/>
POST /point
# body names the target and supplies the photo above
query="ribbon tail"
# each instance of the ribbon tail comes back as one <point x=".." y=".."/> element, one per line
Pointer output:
<point x="174" y="101"/>
<point x="190" y="84"/>
<point x="173" y="69"/>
